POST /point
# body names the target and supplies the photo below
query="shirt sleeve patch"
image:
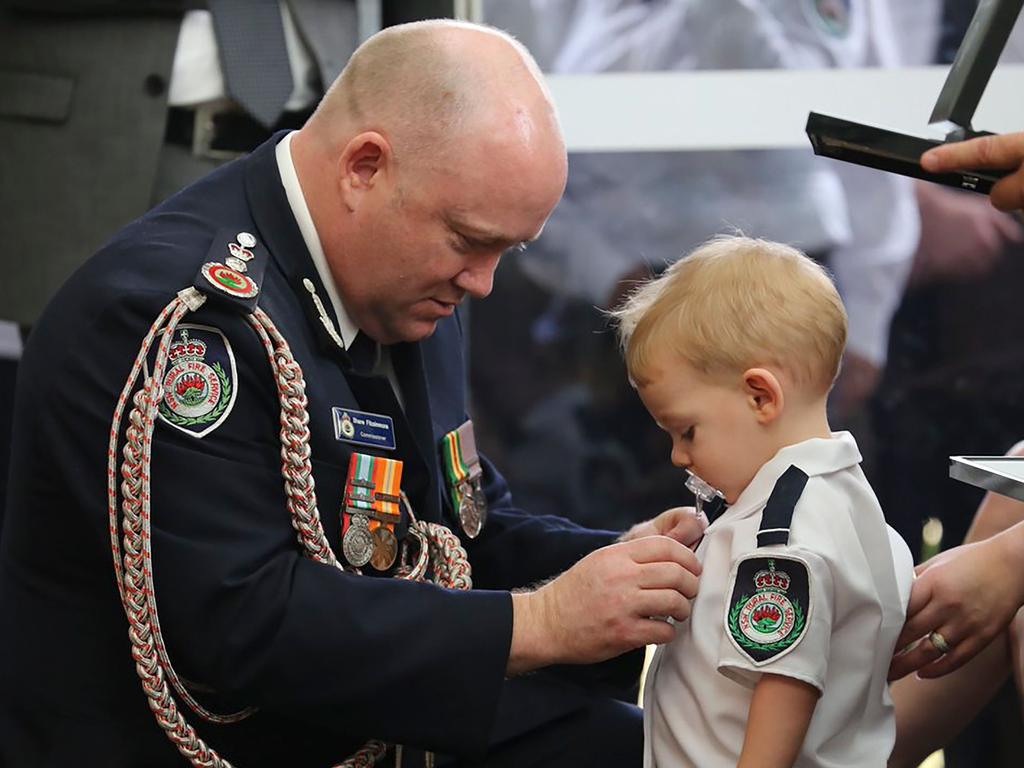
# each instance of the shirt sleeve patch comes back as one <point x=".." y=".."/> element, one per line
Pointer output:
<point x="769" y="607"/>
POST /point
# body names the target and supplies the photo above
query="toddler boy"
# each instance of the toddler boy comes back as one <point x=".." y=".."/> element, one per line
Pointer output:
<point x="804" y="587"/>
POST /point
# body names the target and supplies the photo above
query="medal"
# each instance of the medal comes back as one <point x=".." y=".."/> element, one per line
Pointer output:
<point x="371" y="511"/>
<point x="472" y="508"/>
<point x="358" y="543"/>
<point x="463" y="473"/>
<point x="385" y="548"/>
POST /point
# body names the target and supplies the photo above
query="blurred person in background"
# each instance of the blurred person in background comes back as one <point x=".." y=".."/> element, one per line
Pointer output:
<point x="107" y="108"/>
<point x="626" y="215"/>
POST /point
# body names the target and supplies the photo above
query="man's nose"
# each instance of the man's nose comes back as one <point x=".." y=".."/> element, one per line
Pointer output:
<point x="477" y="279"/>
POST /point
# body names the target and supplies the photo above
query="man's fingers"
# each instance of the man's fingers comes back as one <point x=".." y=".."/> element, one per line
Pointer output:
<point x="653" y="549"/>
<point x="654" y="632"/>
<point x="663" y="602"/>
<point x="688" y="528"/>
<point x="668" y="576"/>
<point x="1001" y="152"/>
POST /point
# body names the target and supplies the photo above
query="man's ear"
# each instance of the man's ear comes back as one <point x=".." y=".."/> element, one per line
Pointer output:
<point x="764" y="394"/>
<point x="362" y="165"/>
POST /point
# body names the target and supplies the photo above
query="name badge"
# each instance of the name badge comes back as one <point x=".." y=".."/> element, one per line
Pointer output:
<point x="361" y="428"/>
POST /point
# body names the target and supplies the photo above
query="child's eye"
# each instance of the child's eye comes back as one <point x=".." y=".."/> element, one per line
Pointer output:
<point x="688" y="434"/>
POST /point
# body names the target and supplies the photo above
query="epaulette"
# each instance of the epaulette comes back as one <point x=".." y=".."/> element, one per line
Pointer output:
<point x="778" y="512"/>
<point x="233" y="269"/>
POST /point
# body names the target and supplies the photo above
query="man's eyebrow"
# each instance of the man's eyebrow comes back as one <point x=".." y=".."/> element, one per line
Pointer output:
<point x="486" y="236"/>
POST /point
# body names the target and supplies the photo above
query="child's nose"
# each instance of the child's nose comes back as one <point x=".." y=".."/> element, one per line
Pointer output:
<point x="680" y="457"/>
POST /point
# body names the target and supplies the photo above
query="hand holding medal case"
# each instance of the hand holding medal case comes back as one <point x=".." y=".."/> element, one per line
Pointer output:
<point x="954" y="110"/>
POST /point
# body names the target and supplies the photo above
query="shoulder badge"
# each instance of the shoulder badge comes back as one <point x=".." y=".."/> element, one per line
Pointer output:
<point x="769" y="608"/>
<point x="233" y="269"/>
<point x="831" y="16"/>
<point x="200" y="383"/>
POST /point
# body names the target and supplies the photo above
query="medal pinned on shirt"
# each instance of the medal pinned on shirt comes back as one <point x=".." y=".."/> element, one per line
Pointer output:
<point x="371" y="511"/>
<point x="463" y="472"/>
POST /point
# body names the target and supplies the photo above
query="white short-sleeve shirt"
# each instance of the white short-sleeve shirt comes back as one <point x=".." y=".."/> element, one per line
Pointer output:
<point x="853" y="575"/>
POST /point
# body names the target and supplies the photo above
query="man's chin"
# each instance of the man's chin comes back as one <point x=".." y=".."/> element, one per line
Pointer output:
<point x="416" y="331"/>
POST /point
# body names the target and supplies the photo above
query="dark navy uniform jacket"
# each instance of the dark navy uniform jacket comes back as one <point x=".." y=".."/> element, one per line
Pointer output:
<point x="331" y="659"/>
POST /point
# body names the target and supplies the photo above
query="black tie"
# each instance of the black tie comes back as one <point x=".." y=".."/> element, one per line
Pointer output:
<point x="254" y="56"/>
<point x="362" y="353"/>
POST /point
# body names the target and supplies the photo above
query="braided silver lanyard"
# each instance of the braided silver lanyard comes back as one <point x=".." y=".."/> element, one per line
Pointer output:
<point x="438" y="546"/>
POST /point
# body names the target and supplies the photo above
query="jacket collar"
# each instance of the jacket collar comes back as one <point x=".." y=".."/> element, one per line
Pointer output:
<point x="282" y="236"/>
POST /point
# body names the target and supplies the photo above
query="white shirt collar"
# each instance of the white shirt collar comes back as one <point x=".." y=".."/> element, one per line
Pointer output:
<point x="297" y="202"/>
<point x="817" y="456"/>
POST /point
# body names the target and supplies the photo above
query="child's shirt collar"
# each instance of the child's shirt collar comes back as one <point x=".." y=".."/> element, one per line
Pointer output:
<point x="817" y="456"/>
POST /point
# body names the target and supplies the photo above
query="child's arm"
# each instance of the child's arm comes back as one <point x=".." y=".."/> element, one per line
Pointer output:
<point x="780" y="712"/>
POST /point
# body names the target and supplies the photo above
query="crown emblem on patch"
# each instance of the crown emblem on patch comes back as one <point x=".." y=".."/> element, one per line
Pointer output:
<point x="771" y="580"/>
<point x="187" y="349"/>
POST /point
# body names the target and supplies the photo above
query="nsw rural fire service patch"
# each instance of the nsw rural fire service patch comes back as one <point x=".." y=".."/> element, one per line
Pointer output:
<point x="769" y="608"/>
<point x="200" y="383"/>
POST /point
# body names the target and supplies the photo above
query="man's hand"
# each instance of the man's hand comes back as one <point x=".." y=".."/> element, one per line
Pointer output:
<point x="679" y="523"/>
<point x="612" y="601"/>
<point x="968" y="595"/>
<point x="1004" y="152"/>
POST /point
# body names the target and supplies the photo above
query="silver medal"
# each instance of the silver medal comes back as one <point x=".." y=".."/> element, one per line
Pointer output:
<point x="358" y="544"/>
<point x="472" y="509"/>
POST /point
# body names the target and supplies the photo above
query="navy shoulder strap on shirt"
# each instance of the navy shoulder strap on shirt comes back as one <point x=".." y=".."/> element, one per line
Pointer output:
<point x="778" y="512"/>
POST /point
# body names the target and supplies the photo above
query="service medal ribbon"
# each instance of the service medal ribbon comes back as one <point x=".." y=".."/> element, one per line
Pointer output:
<point x="371" y="510"/>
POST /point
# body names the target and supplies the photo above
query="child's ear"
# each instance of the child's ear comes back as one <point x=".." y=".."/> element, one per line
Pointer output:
<point x="764" y="394"/>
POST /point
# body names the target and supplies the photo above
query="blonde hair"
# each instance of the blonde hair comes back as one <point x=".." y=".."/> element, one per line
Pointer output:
<point x="733" y="304"/>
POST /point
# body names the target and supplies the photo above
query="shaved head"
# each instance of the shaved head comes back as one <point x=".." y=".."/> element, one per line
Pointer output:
<point x="436" y="151"/>
<point x="427" y="85"/>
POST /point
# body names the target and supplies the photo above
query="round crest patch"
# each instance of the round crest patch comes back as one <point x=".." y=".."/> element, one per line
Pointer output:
<point x="230" y="281"/>
<point x="199" y="383"/>
<point x="348" y="429"/>
<point x="765" y="624"/>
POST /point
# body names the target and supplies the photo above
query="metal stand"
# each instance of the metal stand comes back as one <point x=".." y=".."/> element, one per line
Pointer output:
<point x="1002" y="474"/>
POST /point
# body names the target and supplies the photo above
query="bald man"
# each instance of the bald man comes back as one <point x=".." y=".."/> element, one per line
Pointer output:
<point x="436" y="151"/>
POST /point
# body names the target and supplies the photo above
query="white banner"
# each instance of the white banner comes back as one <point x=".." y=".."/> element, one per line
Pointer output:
<point x="760" y="109"/>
